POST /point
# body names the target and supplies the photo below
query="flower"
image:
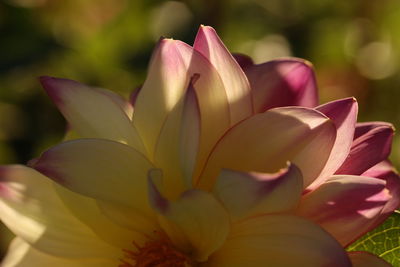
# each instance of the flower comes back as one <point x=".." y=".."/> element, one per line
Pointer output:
<point x="194" y="170"/>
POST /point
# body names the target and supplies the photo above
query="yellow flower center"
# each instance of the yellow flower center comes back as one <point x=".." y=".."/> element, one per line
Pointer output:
<point x="158" y="252"/>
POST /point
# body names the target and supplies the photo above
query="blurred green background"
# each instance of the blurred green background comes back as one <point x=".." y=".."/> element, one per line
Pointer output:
<point x="354" y="46"/>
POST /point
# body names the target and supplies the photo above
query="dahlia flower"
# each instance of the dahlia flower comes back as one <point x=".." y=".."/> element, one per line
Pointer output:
<point x="215" y="161"/>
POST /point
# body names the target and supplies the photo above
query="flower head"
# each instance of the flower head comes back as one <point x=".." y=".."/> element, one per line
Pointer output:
<point x="216" y="161"/>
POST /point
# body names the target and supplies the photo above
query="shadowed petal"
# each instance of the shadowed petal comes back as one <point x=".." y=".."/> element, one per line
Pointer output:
<point x="346" y="206"/>
<point x="265" y="142"/>
<point x="343" y="113"/>
<point x="259" y="193"/>
<point x="279" y="241"/>
<point x="91" y="112"/>
<point x="196" y="222"/>
<point x="368" y="149"/>
<point x="365" y="259"/>
<point x="282" y="82"/>
<point x="235" y="81"/>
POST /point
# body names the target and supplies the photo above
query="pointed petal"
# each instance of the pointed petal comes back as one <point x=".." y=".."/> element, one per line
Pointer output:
<point x="343" y="113"/>
<point x="265" y="142"/>
<point x="173" y="65"/>
<point x="91" y="112"/>
<point x="368" y="149"/>
<point x="278" y="240"/>
<point x="32" y="210"/>
<point x="259" y="193"/>
<point x="178" y="144"/>
<point x="101" y="169"/>
<point x="385" y="171"/>
<point x="21" y="254"/>
<point x="345" y="206"/>
<point x="282" y="82"/>
<point x="235" y="81"/>
<point x="365" y="259"/>
<point x="187" y="221"/>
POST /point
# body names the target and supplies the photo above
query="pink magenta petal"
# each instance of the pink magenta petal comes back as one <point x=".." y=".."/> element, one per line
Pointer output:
<point x="244" y="61"/>
<point x="385" y="171"/>
<point x="346" y="206"/>
<point x="366" y="259"/>
<point x="343" y="113"/>
<point x="235" y="81"/>
<point x="368" y="149"/>
<point x="284" y="82"/>
<point x="260" y="193"/>
<point x="266" y="141"/>
<point x="93" y="113"/>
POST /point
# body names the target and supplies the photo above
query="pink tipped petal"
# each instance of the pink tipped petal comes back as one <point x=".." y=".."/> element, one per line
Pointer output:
<point x="99" y="169"/>
<point x="385" y="171"/>
<point x="178" y="144"/>
<point x="346" y="206"/>
<point x="55" y="231"/>
<point x="365" y="259"/>
<point x="343" y="113"/>
<point x="260" y="193"/>
<point x="300" y="135"/>
<point x="244" y="61"/>
<point x="278" y="240"/>
<point x="91" y="112"/>
<point x="364" y="127"/>
<point x="284" y="82"/>
<point x="196" y="222"/>
<point x="367" y="150"/>
<point x="235" y="81"/>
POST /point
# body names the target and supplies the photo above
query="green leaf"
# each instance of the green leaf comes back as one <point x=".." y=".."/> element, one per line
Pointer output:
<point x="383" y="241"/>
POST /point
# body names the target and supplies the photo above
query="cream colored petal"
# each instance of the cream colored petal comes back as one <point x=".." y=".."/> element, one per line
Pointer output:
<point x="249" y="194"/>
<point x="365" y="259"/>
<point x="196" y="222"/>
<point x="21" y="254"/>
<point x="178" y="144"/>
<point x="279" y="241"/>
<point x="91" y="112"/>
<point x="32" y="210"/>
<point x="101" y="169"/>
<point x="87" y="210"/>
<point x="265" y="142"/>
<point x="235" y="81"/>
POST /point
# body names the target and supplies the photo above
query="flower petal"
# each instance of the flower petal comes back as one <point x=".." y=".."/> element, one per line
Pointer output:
<point x="196" y="222"/>
<point x="346" y="206"/>
<point x="21" y="254"/>
<point x="282" y="82"/>
<point x="265" y="142"/>
<point x="178" y="144"/>
<point x="365" y="259"/>
<point x="278" y="240"/>
<point x="343" y="113"/>
<point x="101" y="169"/>
<point x="368" y="149"/>
<point x="385" y="171"/>
<point x="91" y="112"/>
<point x="259" y="193"/>
<point x="173" y="66"/>
<point x="24" y="197"/>
<point x="244" y="61"/>
<point x="235" y="81"/>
